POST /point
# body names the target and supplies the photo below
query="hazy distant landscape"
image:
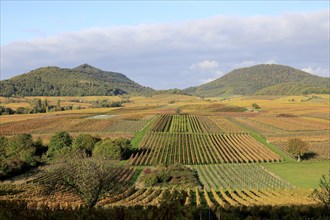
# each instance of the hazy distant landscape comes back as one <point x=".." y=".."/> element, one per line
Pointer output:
<point x="214" y="117"/>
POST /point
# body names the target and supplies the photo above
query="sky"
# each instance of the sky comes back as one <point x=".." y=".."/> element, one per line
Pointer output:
<point x="164" y="44"/>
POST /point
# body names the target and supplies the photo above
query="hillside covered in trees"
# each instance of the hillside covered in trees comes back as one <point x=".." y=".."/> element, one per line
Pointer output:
<point x="83" y="80"/>
<point x="264" y="79"/>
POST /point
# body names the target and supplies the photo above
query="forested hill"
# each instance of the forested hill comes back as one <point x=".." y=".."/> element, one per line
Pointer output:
<point x="264" y="79"/>
<point x="83" y="80"/>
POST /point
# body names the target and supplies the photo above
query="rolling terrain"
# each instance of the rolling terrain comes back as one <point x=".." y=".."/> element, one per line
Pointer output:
<point x="264" y="79"/>
<point x="83" y="80"/>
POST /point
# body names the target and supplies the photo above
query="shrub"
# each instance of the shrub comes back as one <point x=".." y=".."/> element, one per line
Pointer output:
<point x="116" y="104"/>
<point x="150" y="179"/>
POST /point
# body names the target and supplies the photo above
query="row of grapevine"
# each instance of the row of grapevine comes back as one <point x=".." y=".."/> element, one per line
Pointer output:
<point x="293" y="123"/>
<point x="131" y="196"/>
<point x="239" y="176"/>
<point x="170" y="148"/>
<point x="162" y="123"/>
<point x="195" y="124"/>
<point x="43" y="126"/>
<point x="137" y="117"/>
<point x="128" y="126"/>
<point x="213" y="198"/>
<point x="225" y="125"/>
<point x="51" y="124"/>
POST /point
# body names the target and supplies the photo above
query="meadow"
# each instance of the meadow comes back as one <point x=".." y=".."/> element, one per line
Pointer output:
<point x="226" y="153"/>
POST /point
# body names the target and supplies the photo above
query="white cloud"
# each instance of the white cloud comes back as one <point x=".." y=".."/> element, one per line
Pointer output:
<point x="207" y="70"/>
<point x="249" y="63"/>
<point x="156" y="54"/>
<point x="206" y="65"/>
<point x="203" y="81"/>
<point x="317" y="71"/>
<point x="270" y="62"/>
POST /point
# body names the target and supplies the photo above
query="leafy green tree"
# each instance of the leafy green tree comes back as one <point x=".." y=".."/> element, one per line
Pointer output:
<point x="45" y="105"/>
<point x="116" y="149"/>
<point x="6" y="111"/>
<point x="178" y="111"/>
<point x="255" y="106"/>
<point x="59" y="143"/>
<point x="35" y="106"/>
<point x="22" y="147"/>
<point x="40" y="147"/>
<point x="116" y="104"/>
<point x="297" y="147"/>
<point x="22" y="110"/>
<point x="58" y="104"/>
<point x="85" y="143"/>
<point x="17" y="154"/>
<point x="322" y="194"/>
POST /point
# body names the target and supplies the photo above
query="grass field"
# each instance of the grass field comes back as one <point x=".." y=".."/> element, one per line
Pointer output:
<point x="304" y="174"/>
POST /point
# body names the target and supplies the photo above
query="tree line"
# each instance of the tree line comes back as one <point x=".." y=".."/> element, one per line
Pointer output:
<point x="20" y="152"/>
<point x="38" y="105"/>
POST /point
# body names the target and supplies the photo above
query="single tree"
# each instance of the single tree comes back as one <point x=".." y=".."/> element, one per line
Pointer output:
<point x="255" y="106"/>
<point x="178" y="111"/>
<point x="58" y="105"/>
<point x="297" y="147"/>
<point x="85" y="143"/>
<point x="21" y="110"/>
<point x="36" y="106"/>
<point x="322" y="194"/>
<point x="21" y="147"/>
<point x="59" y="142"/>
<point x="45" y="106"/>
<point x="117" y="149"/>
<point x="90" y="178"/>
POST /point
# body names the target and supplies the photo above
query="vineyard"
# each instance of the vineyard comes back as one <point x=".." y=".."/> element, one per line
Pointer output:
<point x="195" y="124"/>
<point x="208" y="158"/>
<point x="170" y="148"/>
<point x="211" y="198"/>
<point x="293" y="123"/>
<point x="238" y="177"/>
<point x="130" y="196"/>
<point x="75" y="123"/>
<point x="189" y="139"/>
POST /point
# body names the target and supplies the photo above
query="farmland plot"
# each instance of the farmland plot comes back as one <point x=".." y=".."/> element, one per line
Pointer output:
<point x="238" y="177"/>
<point x="294" y="123"/>
<point x="127" y="126"/>
<point x="170" y="148"/>
<point x="317" y="149"/>
<point x="64" y="198"/>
